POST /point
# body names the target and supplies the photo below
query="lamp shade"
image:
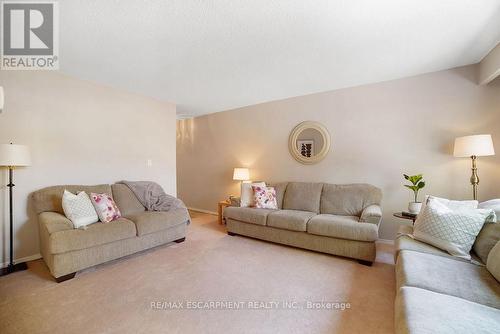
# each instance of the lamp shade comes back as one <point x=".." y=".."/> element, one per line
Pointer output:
<point x="14" y="155"/>
<point x="478" y="145"/>
<point x="241" y="174"/>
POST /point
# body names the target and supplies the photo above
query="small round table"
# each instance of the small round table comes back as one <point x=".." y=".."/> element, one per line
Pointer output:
<point x="400" y="215"/>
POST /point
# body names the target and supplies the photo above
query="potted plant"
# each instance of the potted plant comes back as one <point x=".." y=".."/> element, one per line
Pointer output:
<point x="416" y="184"/>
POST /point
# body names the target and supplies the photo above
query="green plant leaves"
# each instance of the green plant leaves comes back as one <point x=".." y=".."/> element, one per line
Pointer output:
<point x="416" y="183"/>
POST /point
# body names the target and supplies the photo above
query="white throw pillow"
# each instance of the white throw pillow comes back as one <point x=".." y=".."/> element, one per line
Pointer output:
<point x="493" y="204"/>
<point x="493" y="263"/>
<point x="451" y="229"/>
<point x="79" y="209"/>
<point x="452" y="204"/>
<point x="247" y="198"/>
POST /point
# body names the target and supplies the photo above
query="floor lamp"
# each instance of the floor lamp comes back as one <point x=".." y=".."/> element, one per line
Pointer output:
<point x="12" y="156"/>
<point x="473" y="147"/>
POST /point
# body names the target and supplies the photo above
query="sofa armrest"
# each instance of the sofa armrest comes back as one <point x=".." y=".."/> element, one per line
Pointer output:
<point x="371" y="214"/>
<point x="54" y="222"/>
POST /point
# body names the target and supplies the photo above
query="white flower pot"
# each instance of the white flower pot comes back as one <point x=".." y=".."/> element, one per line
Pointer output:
<point x="414" y="207"/>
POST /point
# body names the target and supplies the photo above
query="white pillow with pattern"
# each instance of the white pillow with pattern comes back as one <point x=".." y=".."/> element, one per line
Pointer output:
<point x="79" y="209"/>
<point x="451" y="229"/>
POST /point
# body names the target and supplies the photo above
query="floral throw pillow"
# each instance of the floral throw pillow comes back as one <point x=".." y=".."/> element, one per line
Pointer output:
<point x="265" y="197"/>
<point x="106" y="208"/>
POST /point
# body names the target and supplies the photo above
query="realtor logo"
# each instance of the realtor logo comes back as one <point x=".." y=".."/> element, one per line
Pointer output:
<point x="30" y="35"/>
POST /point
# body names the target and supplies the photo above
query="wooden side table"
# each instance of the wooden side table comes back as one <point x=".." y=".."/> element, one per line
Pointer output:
<point x="400" y="215"/>
<point x="220" y="211"/>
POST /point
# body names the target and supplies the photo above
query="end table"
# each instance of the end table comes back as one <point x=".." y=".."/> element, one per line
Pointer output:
<point x="220" y="211"/>
<point x="400" y="215"/>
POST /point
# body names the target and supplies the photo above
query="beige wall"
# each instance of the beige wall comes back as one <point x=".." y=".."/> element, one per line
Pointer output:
<point x="378" y="131"/>
<point x="79" y="133"/>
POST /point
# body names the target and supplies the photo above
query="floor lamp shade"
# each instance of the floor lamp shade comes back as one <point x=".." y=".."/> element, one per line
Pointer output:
<point x="12" y="155"/>
<point x="477" y="145"/>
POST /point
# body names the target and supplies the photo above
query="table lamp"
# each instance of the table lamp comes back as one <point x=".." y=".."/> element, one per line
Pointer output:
<point x="241" y="174"/>
<point x="473" y="147"/>
<point x="12" y="156"/>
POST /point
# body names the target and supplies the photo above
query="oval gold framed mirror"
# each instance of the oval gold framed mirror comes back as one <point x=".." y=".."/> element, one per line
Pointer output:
<point x="309" y="142"/>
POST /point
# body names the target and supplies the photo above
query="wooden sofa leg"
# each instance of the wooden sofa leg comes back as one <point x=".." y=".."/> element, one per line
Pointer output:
<point x="365" y="263"/>
<point x="180" y="240"/>
<point x="65" y="277"/>
<point x="231" y="233"/>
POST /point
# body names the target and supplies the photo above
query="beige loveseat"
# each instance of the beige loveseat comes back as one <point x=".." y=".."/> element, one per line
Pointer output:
<point x="336" y="219"/>
<point x="67" y="250"/>
<point x="439" y="293"/>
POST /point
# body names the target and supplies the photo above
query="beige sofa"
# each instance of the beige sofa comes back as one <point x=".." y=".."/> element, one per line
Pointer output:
<point x="67" y="250"/>
<point x="336" y="219"/>
<point x="438" y="293"/>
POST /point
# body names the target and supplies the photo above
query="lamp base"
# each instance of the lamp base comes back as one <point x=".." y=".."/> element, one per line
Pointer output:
<point x="12" y="268"/>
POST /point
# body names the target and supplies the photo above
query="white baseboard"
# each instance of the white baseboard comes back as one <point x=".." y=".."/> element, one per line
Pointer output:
<point x="204" y="211"/>
<point x="23" y="259"/>
<point x="385" y="241"/>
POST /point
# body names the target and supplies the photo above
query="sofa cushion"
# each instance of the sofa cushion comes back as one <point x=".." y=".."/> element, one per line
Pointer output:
<point x="302" y="196"/>
<point x="493" y="262"/>
<point x="421" y="311"/>
<point x="280" y="192"/>
<point x="447" y="276"/>
<point x="67" y="240"/>
<point x="404" y="241"/>
<point x="486" y="240"/>
<point x="153" y="221"/>
<point x="125" y="199"/>
<point x="342" y="227"/>
<point x="348" y="199"/>
<point x="293" y="220"/>
<point x="50" y="199"/>
<point x="247" y="215"/>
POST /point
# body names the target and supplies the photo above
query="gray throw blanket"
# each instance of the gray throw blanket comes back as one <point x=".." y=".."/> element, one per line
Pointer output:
<point x="153" y="197"/>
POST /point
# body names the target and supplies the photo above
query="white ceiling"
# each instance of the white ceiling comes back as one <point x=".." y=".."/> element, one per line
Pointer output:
<point x="214" y="55"/>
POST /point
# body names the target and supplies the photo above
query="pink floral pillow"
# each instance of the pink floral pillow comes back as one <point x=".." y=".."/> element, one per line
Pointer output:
<point x="265" y="197"/>
<point x="105" y="206"/>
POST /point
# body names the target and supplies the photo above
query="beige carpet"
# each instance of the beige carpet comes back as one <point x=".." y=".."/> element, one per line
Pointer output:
<point x="210" y="266"/>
